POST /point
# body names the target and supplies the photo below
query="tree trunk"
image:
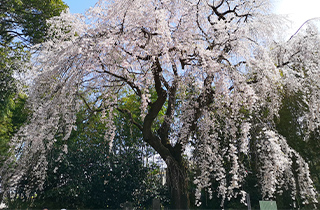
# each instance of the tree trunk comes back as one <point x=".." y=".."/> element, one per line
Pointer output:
<point x="177" y="180"/>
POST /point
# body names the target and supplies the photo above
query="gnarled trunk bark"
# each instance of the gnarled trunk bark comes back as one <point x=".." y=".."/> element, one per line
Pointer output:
<point x="177" y="180"/>
<point x="176" y="169"/>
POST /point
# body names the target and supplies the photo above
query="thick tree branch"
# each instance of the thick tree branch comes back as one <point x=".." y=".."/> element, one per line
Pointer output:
<point x="145" y="58"/>
<point x="135" y="88"/>
<point x="204" y="100"/>
<point x="153" y="112"/>
<point x="222" y="15"/>
<point x="164" y="129"/>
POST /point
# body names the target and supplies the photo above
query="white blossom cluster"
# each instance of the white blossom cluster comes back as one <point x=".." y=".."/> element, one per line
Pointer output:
<point x="279" y="162"/>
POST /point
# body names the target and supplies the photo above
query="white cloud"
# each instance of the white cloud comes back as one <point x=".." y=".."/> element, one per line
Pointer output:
<point x="298" y="11"/>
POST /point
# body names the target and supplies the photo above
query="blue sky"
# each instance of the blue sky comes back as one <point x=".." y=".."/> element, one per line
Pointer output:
<point x="80" y="6"/>
<point x="297" y="11"/>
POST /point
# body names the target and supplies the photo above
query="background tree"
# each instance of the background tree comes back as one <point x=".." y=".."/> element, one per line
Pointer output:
<point x="22" y="24"/>
<point x="90" y="174"/>
<point x="297" y="119"/>
<point x="26" y="19"/>
<point x="213" y="75"/>
<point x="16" y="114"/>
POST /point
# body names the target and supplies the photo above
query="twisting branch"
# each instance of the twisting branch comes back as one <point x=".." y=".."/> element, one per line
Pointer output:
<point x="222" y="15"/>
<point x="215" y="10"/>
<point x="199" y="26"/>
<point x="164" y="129"/>
<point x="85" y="102"/>
<point x="135" y="88"/>
<point x="220" y="4"/>
<point x="147" y="34"/>
<point x="123" y="20"/>
<point x="153" y="112"/>
<point x="156" y="69"/>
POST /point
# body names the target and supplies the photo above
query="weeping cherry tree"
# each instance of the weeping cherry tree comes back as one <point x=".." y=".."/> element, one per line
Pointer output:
<point x="206" y="74"/>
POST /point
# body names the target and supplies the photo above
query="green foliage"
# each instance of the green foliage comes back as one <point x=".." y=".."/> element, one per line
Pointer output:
<point x="26" y="19"/>
<point x="16" y="114"/>
<point x="293" y="126"/>
<point x="22" y="23"/>
<point x="12" y="59"/>
<point x="131" y="102"/>
<point x="91" y="174"/>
